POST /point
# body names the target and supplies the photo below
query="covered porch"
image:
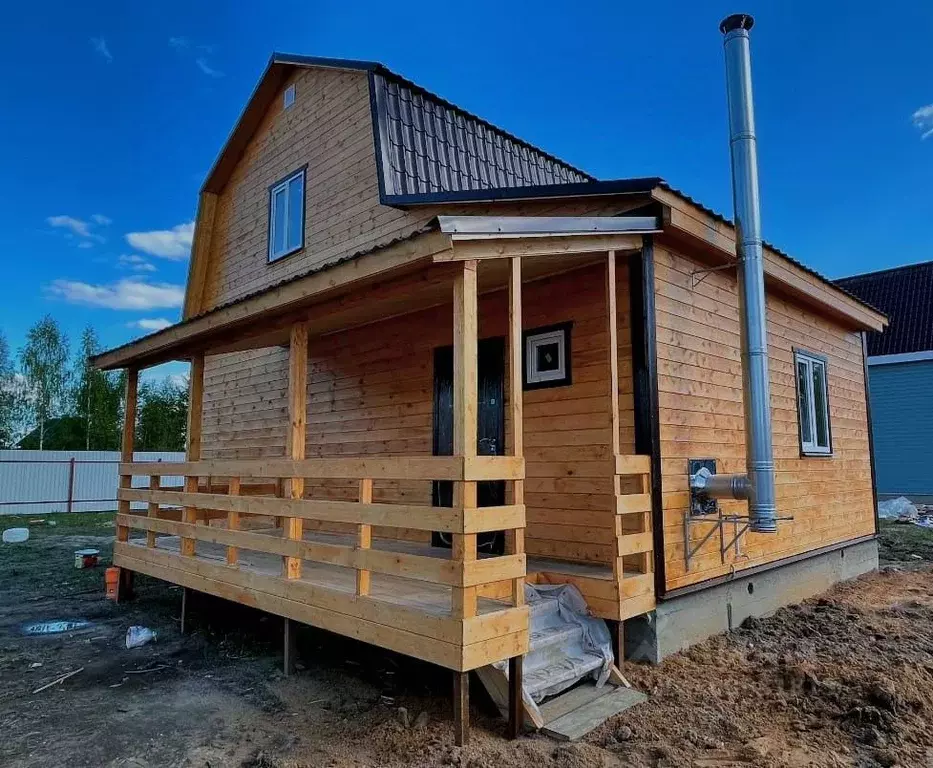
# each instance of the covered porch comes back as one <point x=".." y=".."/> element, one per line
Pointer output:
<point x="333" y="517"/>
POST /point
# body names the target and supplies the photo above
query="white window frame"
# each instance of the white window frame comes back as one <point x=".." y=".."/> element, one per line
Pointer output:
<point x="560" y="376"/>
<point x="811" y="361"/>
<point x="274" y="255"/>
<point x="289" y="97"/>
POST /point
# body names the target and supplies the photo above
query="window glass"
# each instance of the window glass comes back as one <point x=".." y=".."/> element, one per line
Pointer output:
<point x="279" y="212"/>
<point x="803" y="402"/>
<point x="819" y="400"/>
<point x="296" y="191"/>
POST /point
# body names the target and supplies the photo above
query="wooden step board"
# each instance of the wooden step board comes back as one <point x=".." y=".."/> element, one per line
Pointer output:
<point x="571" y="714"/>
<point x="578" y="711"/>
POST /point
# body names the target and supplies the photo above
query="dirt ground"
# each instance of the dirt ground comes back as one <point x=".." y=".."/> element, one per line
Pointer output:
<point x="844" y="680"/>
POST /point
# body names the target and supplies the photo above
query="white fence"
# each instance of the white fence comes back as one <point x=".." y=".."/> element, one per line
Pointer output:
<point x="38" y="482"/>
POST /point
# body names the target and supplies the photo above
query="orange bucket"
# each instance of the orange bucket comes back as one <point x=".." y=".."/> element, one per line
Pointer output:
<point x="112" y="577"/>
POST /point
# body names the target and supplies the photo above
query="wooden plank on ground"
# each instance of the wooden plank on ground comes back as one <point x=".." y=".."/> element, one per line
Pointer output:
<point x="581" y="721"/>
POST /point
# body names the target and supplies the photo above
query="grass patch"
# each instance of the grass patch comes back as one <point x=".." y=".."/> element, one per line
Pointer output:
<point x="904" y="542"/>
<point x="43" y="566"/>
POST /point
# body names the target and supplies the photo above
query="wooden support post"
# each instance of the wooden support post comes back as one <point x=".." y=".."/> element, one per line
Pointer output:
<point x="364" y="536"/>
<point x="195" y="412"/>
<point x="612" y="328"/>
<point x="617" y="630"/>
<point x="184" y="609"/>
<point x="125" y="585"/>
<point x="465" y="391"/>
<point x="152" y="510"/>
<point x="516" y="705"/>
<point x="295" y="441"/>
<point x="461" y="708"/>
<point x="515" y="538"/>
<point x="126" y="446"/>
<point x="289" y="652"/>
<point x="233" y="522"/>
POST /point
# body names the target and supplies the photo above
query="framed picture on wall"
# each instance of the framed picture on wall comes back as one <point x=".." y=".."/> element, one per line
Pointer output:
<point x="546" y="354"/>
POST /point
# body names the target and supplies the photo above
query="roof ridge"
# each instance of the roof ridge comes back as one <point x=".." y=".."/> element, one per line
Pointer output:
<point x="901" y="268"/>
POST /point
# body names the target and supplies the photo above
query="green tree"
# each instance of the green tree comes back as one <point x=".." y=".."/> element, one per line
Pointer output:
<point x="8" y="398"/>
<point x="96" y="398"/>
<point x="44" y="362"/>
<point x="162" y="422"/>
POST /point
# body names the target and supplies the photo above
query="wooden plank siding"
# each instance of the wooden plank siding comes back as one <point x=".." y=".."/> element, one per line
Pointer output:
<point x="701" y="414"/>
<point x="370" y="392"/>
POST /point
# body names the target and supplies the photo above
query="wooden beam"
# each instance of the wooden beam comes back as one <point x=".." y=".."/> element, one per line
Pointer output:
<point x="692" y="224"/>
<point x="352" y="468"/>
<point x="516" y="704"/>
<point x="130" y="397"/>
<point x="364" y="537"/>
<point x="233" y="522"/>
<point x="481" y="249"/>
<point x="295" y="440"/>
<point x="461" y="708"/>
<point x="200" y="254"/>
<point x="290" y="296"/>
<point x="466" y="409"/>
<point x="195" y="417"/>
<point x="515" y="537"/>
<point x="152" y="509"/>
<point x="613" y="337"/>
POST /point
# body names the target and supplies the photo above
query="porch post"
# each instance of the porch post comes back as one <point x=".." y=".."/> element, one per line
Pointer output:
<point x="465" y="392"/>
<point x="465" y="420"/>
<point x="295" y="441"/>
<point x="195" y="411"/>
<point x="515" y="538"/>
<point x="614" y="442"/>
<point x="125" y="582"/>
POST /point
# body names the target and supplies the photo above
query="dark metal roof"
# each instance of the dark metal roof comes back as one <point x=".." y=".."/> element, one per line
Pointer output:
<point x="905" y="295"/>
<point x="427" y="145"/>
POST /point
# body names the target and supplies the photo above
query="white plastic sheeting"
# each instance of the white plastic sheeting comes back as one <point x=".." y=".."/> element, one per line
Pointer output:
<point x="566" y="643"/>
<point x="900" y="508"/>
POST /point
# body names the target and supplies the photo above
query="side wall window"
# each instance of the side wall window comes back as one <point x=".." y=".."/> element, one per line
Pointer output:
<point x="287" y="216"/>
<point x="813" y="404"/>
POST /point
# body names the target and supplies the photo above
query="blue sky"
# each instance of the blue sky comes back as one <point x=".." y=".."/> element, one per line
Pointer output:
<point x="114" y="111"/>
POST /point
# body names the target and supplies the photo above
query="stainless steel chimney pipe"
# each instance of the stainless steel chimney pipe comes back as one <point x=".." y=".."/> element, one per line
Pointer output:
<point x="762" y="509"/>
<point x="757" y="486"/>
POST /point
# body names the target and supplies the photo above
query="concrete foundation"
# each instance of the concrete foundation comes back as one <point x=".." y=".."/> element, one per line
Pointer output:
<point x="682" y="621"/>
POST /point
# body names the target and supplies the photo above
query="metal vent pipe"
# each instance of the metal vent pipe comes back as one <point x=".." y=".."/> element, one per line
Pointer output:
<point x="757" y="486"/>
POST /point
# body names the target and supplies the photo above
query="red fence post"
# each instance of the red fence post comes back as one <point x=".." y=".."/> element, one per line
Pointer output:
<point x="71" y="484"/>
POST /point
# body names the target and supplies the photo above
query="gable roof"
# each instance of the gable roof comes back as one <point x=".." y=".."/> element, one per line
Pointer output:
<point x="424" y="144"/>
<point x="905" y="295"/>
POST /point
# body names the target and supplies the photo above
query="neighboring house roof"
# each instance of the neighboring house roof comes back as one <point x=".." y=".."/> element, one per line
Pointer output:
<point x="905" y="295"/>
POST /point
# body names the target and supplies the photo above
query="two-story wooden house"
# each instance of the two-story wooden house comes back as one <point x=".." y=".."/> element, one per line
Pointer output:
<point x="431" y="362"/>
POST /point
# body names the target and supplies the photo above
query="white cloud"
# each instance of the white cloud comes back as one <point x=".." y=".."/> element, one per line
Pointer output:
<point x="135" y="262"/>
<point x="177" y="380"/>
<point x="923" y="119"/>
<point x="76" y="226"/>
<point x="100" y="45"/>
<point x="179" y="43"/>
<point x="150" y="323"/>
<point x="124" y="294"/>
<point x="99" y="218"/>
<point x="206" y="68"/>
<point x="79" y="228"/>
<point x="174" y="243"/>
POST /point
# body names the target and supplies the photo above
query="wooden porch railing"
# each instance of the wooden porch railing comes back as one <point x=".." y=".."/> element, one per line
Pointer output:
<point x="463" y="572"/>
<point x="633" y="562"/>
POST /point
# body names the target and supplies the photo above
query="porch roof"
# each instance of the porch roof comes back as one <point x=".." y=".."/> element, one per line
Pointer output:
<point x="262" y="318"/>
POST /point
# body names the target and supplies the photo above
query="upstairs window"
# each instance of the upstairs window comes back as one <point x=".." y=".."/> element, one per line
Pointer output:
<point x="813" y="404"/>
<point x="287" y="216"/>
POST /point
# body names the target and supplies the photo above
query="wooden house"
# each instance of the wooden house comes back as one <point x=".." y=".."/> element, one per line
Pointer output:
<point x="431" y="363"/>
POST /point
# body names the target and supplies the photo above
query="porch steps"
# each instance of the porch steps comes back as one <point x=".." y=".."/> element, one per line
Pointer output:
<point x="579" y="709"/>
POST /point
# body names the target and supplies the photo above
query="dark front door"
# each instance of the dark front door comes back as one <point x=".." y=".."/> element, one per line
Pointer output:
<point x="490" y="428"/>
